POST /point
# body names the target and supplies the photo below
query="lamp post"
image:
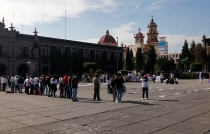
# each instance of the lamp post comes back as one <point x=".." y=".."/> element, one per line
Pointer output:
<point x="117" y="54"/>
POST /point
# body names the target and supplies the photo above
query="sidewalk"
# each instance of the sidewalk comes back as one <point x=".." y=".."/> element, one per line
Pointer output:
<point x="171" y="109"/>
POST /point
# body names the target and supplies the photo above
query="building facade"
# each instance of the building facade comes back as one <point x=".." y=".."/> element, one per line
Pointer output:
<point x="16" y="50"/>
<point x="174" y="56"/>
<point x="162" y="45"/>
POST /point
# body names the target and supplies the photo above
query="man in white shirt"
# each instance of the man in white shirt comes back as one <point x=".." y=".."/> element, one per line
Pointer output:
<point x="16" y="84"/>
<point x="36" y="84"/>
<point x="27" y="85"/>
<point x="12" y="80"/>
<point x="32" y="84"/>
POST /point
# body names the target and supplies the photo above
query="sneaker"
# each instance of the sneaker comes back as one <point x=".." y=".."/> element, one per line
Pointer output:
<point x="142" y="98"/>
<point x="75" y="100"/>
<point x="116" y="100"/>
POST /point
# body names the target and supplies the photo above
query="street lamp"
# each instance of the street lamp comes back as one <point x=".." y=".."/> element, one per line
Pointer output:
<point x="117" y="54"/>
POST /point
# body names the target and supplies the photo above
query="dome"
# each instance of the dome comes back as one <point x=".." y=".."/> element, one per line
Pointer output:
<point x="107" y="40"/>
<point x="139" y="33"/>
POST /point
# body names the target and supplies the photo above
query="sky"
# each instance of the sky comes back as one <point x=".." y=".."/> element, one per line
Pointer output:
<point x="88" y="20"/>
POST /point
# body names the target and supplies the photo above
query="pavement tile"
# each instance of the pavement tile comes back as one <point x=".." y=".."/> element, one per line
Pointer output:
<point x="38" y="121"/>
<point x="14" y="113"/>
<point x="11" y="126"/>
<point x="65" y="116"/>
<point x="165" y="131"/>
<point x="4" y="121"/>
<point x="200" y="120"/>
<point x="26" y="130"/>
<point x="192" y="128"/>
<point x="24" y="117"/>
<point x="132" y="118"/>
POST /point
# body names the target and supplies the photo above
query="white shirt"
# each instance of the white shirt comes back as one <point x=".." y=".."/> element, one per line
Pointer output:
<point x="27" y="82"/>
<point x="144" y="83"/>
<point x="53" y="81"/>
<point x="12" y="79"/>
<point x="16" y="81"/>
<point x="108" y="82"/>
<point x="60" y="80"/>
<point x="4" y="80"/>
<point x="32" y="81"/>
<point x="36" y="80"/>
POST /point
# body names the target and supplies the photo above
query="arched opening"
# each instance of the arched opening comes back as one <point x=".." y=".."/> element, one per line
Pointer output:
<point x="2" y="69"/>
<point x="45" y="70"/>
<point x="22" y="70"/>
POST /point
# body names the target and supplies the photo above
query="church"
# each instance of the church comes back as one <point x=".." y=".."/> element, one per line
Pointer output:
<point x="152" y="39"/>
<point x="52" y="55"/>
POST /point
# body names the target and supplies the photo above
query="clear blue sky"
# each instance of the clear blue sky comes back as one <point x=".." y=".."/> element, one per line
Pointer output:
<point x="88" y="20"/>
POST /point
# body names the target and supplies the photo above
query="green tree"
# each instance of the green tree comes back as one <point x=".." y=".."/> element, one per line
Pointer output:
<point x="196" y="67"/>
<point x="131" y="66"/>
<point x="192" y="50"/>
<point x="164" y="64"/>
<point x="186" y="62"/>
<point x="128" y="58"/>
<point x="139" y="60"/>
<point x="151" y="59"/>
<point x="185" y="51"/>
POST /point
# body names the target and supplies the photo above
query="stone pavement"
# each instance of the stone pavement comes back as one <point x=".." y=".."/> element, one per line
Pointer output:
<point x="171" y="109"/>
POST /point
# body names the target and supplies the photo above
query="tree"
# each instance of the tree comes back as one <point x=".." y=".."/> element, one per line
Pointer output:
<point x="185" y="51"/>
<point x="151" y="59"/>
<point x="131" y="66"/>
<point x="196" y="67"/>
<point x="164" y="64"/>
<point x="139" y="60"/>
<point x="186" y="62"/>
<point x="128" y="58"/>
<point x="192" y="51"/>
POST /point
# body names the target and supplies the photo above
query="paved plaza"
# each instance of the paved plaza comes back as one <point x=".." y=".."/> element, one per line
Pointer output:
<point x="171" y="109"/>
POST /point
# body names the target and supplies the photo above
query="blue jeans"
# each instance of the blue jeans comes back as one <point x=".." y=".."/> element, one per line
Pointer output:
<point x="43" y="89"/>
<point x="36" y="87"/>
<point x="119" y="93"/>
<point x="12" y="86"/>
<point x="74" y="93"/>
<point x="70" y="92"/>
<point x="21" y="87"/>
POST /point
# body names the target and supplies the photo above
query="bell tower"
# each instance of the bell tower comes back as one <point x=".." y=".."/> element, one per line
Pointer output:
<point x="152" y="33"/>
<point x="139" y="39"/>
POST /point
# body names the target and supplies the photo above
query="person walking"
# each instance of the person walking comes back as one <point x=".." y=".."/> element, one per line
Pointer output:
<point x="20" y="83"/>
<point x="119" y="86"/>
<point x="96" y="85"/>
<point x="53" y="83"/>
<point x="74" y="87"/>
<point x="4" y="82"/>
<point x="144" y="80"/>
<point x="27" y="85"/>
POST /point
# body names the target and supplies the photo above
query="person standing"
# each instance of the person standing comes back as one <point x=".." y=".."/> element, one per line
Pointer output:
<point x="17" y="84"/>
<point x="36" y="84"/>
<point x="4" y="82"/>
<point x="153" y="78"/>
<point x="119" y="86"/>
<point x="8" y="79"/>
<point x="96" y="85"/>
<point x="20" y="83"/>
<point x="32" y="85"/>
<point x="48" y="78"/>
<point x="12" y="81"/>
<point x="69" y="86"/>
<point x="27" y="85"/>
<point x="74" y="87"/>
<point x="61" y="86"/>
<point x="108" y="83"/>
<point x="144" y="80"/>
<point x="113" y="84"/>
<point x="65" y="84"/>
<point x="53" y="83"/>
<point x="161" y="78"/>
<point x="201" y="77"/>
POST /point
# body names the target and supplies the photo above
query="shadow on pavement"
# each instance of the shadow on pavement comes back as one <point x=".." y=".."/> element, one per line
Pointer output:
<point x="168" y="100"/>
<point x="137" y="102"/>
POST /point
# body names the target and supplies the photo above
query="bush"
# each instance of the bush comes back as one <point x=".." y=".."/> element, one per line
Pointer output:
<point x="124" y="72"/>
<point x="89" y="65"/>
<point x="196" y="67"/>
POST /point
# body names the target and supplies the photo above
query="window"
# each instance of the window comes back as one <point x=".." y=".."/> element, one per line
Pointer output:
<point x="24" y="52"/>
<point x="87" y="55"/>
<point x="44" y="53"/>
<point x="0" y="50"/>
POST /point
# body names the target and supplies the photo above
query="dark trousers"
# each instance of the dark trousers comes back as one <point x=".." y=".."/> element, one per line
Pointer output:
<point x="96" y="94"/>
<point x="17" y="88"/>
<point x="27" y="89"/>
<point x="32" y="89"/>
<point x="144" y="89"/>
<point x="53" y="89"/>
<point x="61" y="89"/>
<point x="4" y="86"/>
<point x="161" y="80"/>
